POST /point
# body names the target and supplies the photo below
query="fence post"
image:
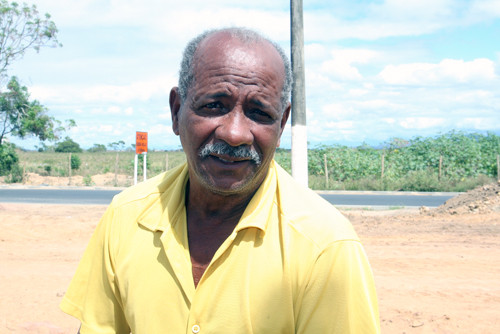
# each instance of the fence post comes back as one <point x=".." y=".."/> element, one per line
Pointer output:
<point x="326" y="171"/>
<point x="69" y="169"/>
<point x="440" y="167"/>
<point x="116" y="169"/>
<point x="383" y="166"/>
<point x="498" y="167"/>
<point x="166" y="162"/>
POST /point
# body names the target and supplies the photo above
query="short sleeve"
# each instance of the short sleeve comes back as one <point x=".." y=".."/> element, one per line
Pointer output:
<point x="340" y="294"/>
<point x="93" y="296"/>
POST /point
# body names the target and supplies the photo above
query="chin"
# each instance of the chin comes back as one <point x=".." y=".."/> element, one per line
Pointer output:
<point x="242" y="187"/>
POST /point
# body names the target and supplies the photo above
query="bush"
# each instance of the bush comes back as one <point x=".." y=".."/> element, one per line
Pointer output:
<point x="48" y="169"/>
<point x="8" y="159"/>
<point x="87" y="180"/>
<point x="68" y="146"/>
<point x="75" y="162"/>
<point x="15" y="175"/>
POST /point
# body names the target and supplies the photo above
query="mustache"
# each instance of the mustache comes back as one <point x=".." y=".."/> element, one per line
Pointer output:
<point x="222" y="148"/>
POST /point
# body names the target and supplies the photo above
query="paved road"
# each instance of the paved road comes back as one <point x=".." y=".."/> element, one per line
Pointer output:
<point x="100" y="196"/>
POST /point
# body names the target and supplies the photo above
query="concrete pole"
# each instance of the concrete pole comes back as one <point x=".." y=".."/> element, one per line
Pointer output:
<point x="299" y="128"/>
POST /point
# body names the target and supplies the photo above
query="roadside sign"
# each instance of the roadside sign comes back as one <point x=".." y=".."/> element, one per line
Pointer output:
<point x="141" y="142"/>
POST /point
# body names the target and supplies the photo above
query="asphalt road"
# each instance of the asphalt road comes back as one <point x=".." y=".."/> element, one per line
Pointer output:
<point x="337" y="198"/>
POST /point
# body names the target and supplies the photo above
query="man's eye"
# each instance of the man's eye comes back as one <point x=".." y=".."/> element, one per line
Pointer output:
<point x="261" y="116"/>
<point x="213" y="106"/>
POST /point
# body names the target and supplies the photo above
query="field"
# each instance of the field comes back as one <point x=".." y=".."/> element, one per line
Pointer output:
<point x="114" y="169"/>
<point x="436" y="271"/>
<point x="452" y="162"/>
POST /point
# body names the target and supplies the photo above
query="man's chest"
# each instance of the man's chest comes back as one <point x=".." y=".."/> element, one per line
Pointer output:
<point x="247" y="288"/>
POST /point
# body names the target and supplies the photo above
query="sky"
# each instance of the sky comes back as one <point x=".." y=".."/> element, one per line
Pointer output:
<point x="374" y="70"/>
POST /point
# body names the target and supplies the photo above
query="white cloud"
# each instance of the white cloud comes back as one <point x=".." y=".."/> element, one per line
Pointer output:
<point x="447" y="71"/>
<point x="421" y="122"/>
<point x="376" y="104"/>
<point x="358" y="92"/>
<point x="342" y="125"/>
<point x="485" y="9"/>
<point x="478" y="123"/>
<point x="341" y="64"/>
<point x="338" y="111"/>
<point x="140" y="90"/>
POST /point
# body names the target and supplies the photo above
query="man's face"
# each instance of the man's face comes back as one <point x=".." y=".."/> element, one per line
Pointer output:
<point x="233" y="104"/>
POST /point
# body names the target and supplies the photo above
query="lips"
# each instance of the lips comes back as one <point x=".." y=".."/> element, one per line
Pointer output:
<point x="228" y="159"/>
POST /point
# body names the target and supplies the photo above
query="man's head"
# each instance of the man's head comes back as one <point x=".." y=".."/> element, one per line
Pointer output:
<point x="186" y="74"/>
<point x="230" y="109"/>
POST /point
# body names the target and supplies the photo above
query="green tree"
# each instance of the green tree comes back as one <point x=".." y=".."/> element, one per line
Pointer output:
<point x="21" y="117"/>
<point x="68" y="145"/>
<point x="117" y="145"/>
<point x="97" y="148"/>
<point x="8" y="158"/>
<point x="23" y="28"/>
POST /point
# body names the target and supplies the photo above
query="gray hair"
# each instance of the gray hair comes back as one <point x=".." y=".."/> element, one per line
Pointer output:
<point x="187" y="75"/>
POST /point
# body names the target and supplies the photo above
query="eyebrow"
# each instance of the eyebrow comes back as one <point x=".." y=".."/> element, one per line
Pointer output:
<point x="260" y="104"/>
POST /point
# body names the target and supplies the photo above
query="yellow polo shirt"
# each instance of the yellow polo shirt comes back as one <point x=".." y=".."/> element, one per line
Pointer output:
<point x="293" y="264"/>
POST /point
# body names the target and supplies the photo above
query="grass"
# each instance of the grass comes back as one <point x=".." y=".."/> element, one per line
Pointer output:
<point x="122" y="163"/>
<point x="57" y="164"/>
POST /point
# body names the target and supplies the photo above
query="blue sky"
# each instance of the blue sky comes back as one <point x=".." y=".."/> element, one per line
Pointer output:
<point x="375" y="70"/>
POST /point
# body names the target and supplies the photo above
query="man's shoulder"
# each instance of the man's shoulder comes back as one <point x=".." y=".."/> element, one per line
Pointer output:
<point x="309" y="214"/>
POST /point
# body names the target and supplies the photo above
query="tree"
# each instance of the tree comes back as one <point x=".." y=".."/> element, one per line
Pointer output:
<point x="117" y="145"/>
<point x="22" y="28"/>
<point x="68" y="145"/>
<point x="97" y="148"/>
<point x="21" y="117"/>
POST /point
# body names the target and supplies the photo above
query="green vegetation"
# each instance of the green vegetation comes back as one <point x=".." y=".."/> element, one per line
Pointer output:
<point x="94" y="163"/>
<point x="75" y="162"/>
<point x="454" y="161"/>
<point x="22" y="28"/>
<point x="451" y="162"/>
<point x="68" y="145"/>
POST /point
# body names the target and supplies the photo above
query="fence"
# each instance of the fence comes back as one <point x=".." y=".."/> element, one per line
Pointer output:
<point x="96" y="163"/>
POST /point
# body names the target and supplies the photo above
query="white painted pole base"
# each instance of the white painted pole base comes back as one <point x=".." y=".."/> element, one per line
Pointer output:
<point x="135" y="168"/>
<point x="299" y="154"/>
<point x="144" y="166"/>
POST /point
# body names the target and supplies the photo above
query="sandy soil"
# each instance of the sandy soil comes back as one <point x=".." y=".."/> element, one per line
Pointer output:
<point x="436" y="271"/>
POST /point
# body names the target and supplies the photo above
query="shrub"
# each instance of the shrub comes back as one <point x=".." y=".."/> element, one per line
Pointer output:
<point x="87" y="180"/>
<point x="8" y="159"/>
<point x="15" y="175"/>
<point x="68" y="146"/>
<point x="48" y="169"/>
<point x="75" y="162"/>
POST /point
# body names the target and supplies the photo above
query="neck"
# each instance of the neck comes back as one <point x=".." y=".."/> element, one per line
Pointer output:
<point x="213" y="208"/>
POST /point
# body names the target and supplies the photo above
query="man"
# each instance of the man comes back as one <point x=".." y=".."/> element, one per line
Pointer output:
<point x="227" y="243"/>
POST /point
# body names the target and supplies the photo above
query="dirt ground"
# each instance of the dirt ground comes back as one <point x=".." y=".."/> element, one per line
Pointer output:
<point x="436" y="271"/>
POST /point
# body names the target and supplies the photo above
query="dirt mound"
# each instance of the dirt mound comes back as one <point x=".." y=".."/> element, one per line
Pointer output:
<point x="484" y="199"/>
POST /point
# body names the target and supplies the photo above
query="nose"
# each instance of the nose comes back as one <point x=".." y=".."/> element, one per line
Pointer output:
<point x="235" y="128"/>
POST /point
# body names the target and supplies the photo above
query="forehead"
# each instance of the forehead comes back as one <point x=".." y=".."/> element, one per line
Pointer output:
<point x="224" y="53"/>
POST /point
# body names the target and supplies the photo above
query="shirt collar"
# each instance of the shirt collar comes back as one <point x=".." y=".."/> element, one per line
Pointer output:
<point x="171" y="191"/>
<point x="172" y="197"/>
<point x="258" y="212"/>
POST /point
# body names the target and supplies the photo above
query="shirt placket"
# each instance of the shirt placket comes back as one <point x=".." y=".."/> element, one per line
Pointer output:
<point x="195" y="321"/>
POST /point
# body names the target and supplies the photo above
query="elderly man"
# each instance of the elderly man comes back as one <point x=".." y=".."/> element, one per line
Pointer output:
<point x="227" y="243"/>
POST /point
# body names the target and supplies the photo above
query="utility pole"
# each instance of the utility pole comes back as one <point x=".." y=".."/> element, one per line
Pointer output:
<point x="299" y="128"/>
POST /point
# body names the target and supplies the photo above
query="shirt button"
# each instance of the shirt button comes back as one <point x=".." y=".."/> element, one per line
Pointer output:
<point x="195" y="329"/>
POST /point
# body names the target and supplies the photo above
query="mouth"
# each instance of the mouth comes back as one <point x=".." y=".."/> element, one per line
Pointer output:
<point x="228" y="159"/>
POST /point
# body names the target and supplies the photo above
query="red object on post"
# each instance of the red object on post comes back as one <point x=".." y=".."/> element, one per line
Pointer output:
<point x="141" y="142"/>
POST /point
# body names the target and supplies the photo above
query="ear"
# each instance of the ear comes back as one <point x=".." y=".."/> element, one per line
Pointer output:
<point x="284" y="119"/>
<point x="175" y="107"/>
